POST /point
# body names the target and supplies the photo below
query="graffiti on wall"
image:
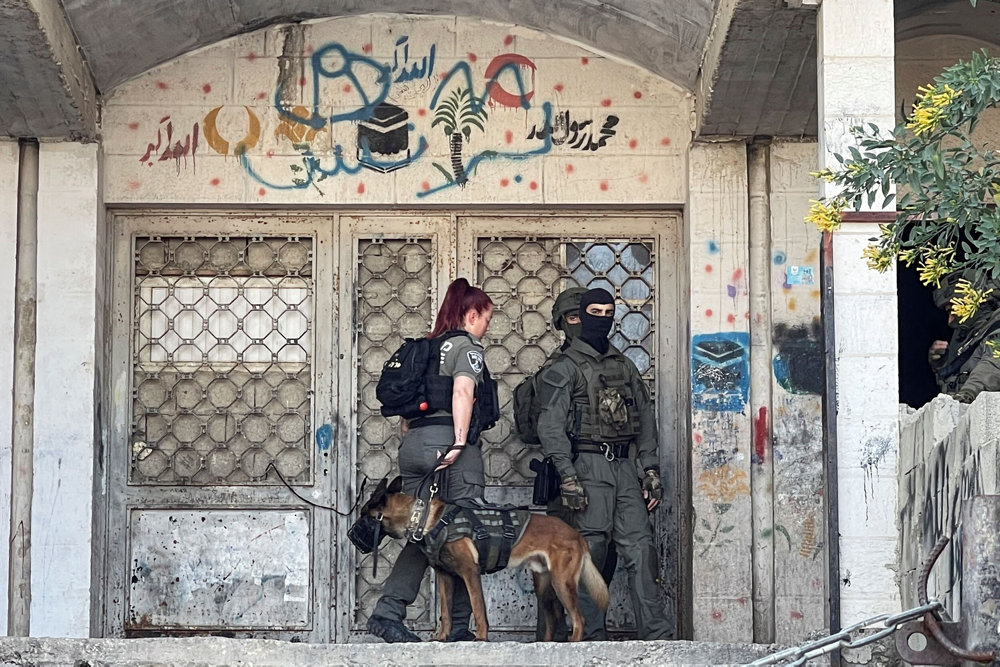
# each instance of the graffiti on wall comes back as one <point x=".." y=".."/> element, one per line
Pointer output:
<point x="720" y="371"/>
<point x="799" y="363"/>
<point x="354" y="101"/>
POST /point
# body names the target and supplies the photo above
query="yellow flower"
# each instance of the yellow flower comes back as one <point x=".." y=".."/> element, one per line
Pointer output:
<point x="879" y="259"/>
<point x="723" y="484"/>
<point x="855" y="167"/>
<point x="826" y="215"/>
<point x="825" y="173"/>
<point x="908" y="256"/>
<point x="967" y="300"/>
<point x="936" y="264"/>
<point x="994" y="346"/>
<point x="931" y="107"/>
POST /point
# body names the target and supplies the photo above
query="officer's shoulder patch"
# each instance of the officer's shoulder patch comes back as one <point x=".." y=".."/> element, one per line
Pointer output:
<point x="475" y="358"/>
<point x="554" y="376"/>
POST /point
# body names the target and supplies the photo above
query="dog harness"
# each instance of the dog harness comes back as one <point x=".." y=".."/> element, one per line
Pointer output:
<point x="493" y="531"/>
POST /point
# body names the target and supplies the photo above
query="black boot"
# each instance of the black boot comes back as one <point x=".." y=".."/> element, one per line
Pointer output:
<point x="461" y="635"/>
<point x="390" y="630"/>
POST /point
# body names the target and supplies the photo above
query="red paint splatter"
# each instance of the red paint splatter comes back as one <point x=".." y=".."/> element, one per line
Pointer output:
<point x="737" y="274"/>
<point x="251" y="56"/>
<point x="472" y="57"/>
<point x="207" y="88"/>
<point x="604" y="186"/>
<point x="161" y="85"/>
<point x="270" y="153"/>
<point x="214" y="181"/>
<point x="508" y="136"/>
<point x="262" y="95"/>
<point x="558" y="87"/>
<point x="133" y="126"/>
<point x="698" y="439"/>
<point x="637" y="94"/>
<point x="716" y="615"/>
<point x="504" y="182"/>
<point x="643" y="177"/>
<point x="361" y="188"/>
<point x="533" y="185"/>
<point x="606" y="102"/>
<point x="665" y="141"/>
<point x="309" y="48"/>
<point x="347" y="88"/>
<point x="708" y="312"/>
<point x="302" y="81"/>
<point x="708" y="268"/>
<point x="731" y="318"/>
<point x="508" y="40"/>
<point x="760" y="435"/>
<point x="632" y="143"/>
<point x="742" y="600"/>
<point x="584" y="60"/>
<point x="262" y="192"/>
<point x="442" y="75"/>
<point x="367" y="47"/>
<point x="569" y="169"/>
<point x="425" y="186"/>
<point x="797" y="615"/>
<point x="134" y="185"/>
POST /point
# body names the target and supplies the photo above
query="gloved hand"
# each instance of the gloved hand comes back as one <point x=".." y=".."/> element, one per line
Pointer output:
<point x="572" y="493"/>
<point x="937" y="352"/>
<point x="963" y="396"/>
<point x="652" y="488"/>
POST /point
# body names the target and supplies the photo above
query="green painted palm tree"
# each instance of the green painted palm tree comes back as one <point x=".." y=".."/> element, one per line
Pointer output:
<point x="457" y="117"/>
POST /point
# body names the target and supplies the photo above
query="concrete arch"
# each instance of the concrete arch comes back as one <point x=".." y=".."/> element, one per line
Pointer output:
<point x="123" y="40"/>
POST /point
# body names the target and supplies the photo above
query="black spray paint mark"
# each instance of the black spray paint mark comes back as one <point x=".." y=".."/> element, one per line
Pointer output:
<point x="798" y="365"/>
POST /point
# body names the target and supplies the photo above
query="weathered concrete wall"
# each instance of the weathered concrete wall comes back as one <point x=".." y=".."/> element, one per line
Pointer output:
<point x="279" y="117"/>
<point x="856" y="70"/>
<point x="948" y="452"/>
<point x="795" y="451"/>
<point x="69" y="221"/>
<point x="220" y="651"/>
<point x="8" y="255"/>
<point x="720" y="422"/>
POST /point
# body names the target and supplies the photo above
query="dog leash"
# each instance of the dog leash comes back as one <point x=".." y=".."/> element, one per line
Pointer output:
<point x="349" y="512"/>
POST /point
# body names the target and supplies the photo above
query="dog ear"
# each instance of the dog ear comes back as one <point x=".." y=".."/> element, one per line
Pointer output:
<point x="377" y="499"/>
<point x="396" y="485"/>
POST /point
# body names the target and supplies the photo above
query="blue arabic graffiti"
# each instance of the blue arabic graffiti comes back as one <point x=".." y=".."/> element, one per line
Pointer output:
<point x="355" y="68"/>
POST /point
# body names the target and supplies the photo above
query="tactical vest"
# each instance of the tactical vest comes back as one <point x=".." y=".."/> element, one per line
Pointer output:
<point x="494" y="532"/>
<point x="485" y="410"/>
<point x="609" y="413"/>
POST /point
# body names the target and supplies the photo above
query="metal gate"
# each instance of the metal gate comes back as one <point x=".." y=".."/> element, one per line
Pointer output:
<point x="246" y="350"/>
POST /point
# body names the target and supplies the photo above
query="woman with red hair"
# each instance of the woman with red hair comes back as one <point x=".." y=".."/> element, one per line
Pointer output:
<point x="444" y="440"/>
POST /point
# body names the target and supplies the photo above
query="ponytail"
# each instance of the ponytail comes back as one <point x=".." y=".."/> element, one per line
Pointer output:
<point x="460" y="298"/>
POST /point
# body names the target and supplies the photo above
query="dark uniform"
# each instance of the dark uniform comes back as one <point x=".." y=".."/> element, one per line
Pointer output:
<point x="602" y="402"/>
<point x="968" y="367"/>
<point x="425" y="441"/>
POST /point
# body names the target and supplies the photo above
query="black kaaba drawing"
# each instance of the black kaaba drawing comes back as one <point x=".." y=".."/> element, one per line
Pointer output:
<point x="384" y="139"/>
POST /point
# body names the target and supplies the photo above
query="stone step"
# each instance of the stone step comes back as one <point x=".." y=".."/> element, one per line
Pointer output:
<point x="204" y="651"/>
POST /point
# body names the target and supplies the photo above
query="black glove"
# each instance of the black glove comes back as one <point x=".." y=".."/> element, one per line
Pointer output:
<point x="652" y="485"/>
<point x="572" y="494"/>
<point x="963" y="396"/>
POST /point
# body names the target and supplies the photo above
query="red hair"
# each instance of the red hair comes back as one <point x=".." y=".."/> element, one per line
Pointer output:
<point x="460" y="298"/>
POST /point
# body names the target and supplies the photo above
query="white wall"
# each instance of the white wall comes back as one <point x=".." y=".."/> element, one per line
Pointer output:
<point x="69" y="218"/>
<point x="8" y="253"/>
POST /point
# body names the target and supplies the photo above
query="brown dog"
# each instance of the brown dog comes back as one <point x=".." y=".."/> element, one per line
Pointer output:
<point x="556" y="554"/>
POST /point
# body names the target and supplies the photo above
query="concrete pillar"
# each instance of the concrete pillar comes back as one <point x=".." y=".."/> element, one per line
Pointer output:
<point x="722" y="523"/>
<point x="856" y="85"/>
<point x="70" y="238"/>
<point x="8" y="244"/>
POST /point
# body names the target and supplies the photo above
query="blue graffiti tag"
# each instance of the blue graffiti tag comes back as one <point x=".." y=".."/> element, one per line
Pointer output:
<point x="324" y="438"/>
<point x="720" y="371"/>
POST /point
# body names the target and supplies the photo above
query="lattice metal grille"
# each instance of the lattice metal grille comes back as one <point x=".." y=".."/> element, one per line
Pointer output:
<point x="394" y="281"/>
<point x="523" y="276"/>
<point x="222" y="360"/>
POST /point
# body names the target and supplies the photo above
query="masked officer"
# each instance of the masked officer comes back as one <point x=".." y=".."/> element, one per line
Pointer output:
<point x="597" y="423"/>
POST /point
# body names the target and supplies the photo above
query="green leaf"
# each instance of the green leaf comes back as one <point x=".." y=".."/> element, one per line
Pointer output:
<point x="444" y="172"/>
<point x="726" y="529"/>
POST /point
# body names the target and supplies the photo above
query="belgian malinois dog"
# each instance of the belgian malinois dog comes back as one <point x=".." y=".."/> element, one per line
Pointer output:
<point x="556" y="554"/>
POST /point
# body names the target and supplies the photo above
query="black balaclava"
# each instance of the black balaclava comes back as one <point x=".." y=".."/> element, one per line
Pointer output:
<point x="594" y="330"/>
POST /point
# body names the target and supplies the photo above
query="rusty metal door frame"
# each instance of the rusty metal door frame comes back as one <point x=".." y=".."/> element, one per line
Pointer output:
<point x="124" y="500"/>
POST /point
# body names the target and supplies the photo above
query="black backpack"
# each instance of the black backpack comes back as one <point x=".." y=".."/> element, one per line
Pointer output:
<point x="410" y="385"/>
<point x="526" y="410"/>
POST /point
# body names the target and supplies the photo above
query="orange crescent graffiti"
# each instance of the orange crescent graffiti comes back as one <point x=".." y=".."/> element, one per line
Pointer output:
<point x="220" y="145"/>
<point x="497" y="92"/>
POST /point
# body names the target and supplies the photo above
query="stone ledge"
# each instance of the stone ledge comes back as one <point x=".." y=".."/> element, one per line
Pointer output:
<point x="202" y="651"/>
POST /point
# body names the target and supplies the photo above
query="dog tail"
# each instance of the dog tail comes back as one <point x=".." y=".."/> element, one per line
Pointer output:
<point x="592" y="579"/>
